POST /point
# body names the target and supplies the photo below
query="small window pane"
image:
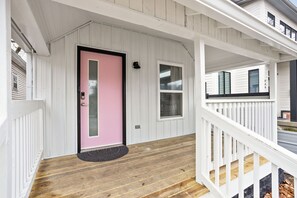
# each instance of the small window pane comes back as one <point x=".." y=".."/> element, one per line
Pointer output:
<point x="224" y="82"/>
<point x="15" y="82"/>
<point x="170" y="77"/>
<point x="282" y="27"/>
<point x="171" y="104"/>
<point x="93" y="98"/>
<point x="271" y="19"/>
<point x="254" y="81"/>
<point x="288" y="31"/>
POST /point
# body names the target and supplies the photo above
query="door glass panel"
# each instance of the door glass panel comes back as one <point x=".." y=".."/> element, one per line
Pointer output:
<point x="93" y="98"/>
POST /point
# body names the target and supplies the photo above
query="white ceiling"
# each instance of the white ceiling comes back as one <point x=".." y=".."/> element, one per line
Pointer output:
<point x="55" y="19"/>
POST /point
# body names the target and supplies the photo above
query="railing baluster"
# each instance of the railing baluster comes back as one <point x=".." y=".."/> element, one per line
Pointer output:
<point x="240" y="170"/>
<point x="227" y="156"/>
<point x="216" y="156"/>
<point x="208" y="145"/>
<point x="295" y="186"/>
<point x="274" y="181"/>
<point x="256" y="176"/>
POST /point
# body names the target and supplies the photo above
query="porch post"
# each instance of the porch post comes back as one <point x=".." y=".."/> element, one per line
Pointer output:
<point x="273" y="96"/>
<point x="5" y="99"/>
<point x="199" y="50"/>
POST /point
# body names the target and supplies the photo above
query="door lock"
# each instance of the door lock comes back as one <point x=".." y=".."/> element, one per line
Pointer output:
<point x="83" y="104"/>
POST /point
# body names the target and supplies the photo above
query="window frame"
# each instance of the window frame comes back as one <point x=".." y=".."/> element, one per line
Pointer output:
<point x="249" y="82"/>
<point x="224" y="72"/>
<point x="269" y="15"/>
<point x="173" y="64"/>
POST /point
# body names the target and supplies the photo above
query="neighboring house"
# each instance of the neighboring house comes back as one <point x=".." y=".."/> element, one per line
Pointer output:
<point x="129" y="72"/>
<point x="281" y="15"/>
<point x="18" y="77"/>
<point x="250" y="80"/>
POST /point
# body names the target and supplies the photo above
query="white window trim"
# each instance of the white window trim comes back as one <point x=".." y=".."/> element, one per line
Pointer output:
<point x="170" y="91"/>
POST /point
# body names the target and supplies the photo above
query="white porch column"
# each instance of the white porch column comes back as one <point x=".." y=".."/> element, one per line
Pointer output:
<point x="199" y="47"/>
<point x="5" y="98"/>
<point x="273" y="96"/>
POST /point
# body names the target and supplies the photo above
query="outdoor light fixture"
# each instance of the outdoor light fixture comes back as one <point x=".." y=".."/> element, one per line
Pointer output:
<point x="136" y="65"/>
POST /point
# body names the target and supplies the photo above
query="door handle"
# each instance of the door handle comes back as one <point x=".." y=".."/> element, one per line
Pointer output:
<point x="83" y="104"/>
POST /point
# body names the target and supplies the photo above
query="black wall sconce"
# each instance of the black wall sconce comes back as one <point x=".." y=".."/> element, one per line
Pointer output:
<point x="136" y="65"/>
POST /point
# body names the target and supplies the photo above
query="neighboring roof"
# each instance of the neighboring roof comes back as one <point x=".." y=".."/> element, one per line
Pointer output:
<point x="285" y="6"/>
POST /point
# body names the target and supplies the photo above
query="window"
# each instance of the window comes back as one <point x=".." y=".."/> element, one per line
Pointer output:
<point x="171" y="90"/>
<point x="254" y="81"/>
<point x="288" y="31"/>
<point x="282" y="27"/>
<point x="224" y="82"/>
<point x="270" y="19"/>
<point x="294" y="35"/>
<point x="15" y="82"/>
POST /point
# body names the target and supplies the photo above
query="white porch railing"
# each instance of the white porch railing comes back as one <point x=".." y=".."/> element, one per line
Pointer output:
<point x="256" y="115"/>
<point x="27" y="144"/>
<point x="278" y="157"/>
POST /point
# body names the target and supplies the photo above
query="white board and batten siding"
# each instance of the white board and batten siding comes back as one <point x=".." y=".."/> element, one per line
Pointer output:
<point x="57" y="84"/>
<point x="239" y="80"/>
<point x="164" y="9"/>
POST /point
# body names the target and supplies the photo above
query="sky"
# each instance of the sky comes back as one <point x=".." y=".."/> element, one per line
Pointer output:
<point x="294" y="2"/>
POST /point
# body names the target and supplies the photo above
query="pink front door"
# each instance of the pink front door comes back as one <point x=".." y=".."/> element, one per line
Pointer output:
<point x="100" y="100"/>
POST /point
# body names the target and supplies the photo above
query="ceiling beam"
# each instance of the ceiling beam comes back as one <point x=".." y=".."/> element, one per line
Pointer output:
<point x="228" y="13"/>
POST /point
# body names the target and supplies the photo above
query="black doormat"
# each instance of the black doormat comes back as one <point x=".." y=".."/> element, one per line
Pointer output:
<point x="105" y="154"/>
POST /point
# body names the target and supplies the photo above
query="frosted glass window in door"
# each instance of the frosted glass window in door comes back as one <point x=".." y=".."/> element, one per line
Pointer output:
<point x="93" y="98"/>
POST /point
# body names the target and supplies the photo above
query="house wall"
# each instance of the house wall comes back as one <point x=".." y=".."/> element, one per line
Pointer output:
<point x="58" y="80"/>
<point x="257" y="9"/>
<point x="283" y="84"/>
<point x="239" y="80"/>
<point x="20" y="92"/>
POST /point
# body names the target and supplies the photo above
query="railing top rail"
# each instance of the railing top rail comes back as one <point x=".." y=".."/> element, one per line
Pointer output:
<point x="208" y="101"/>
<point x="23" y="107"/>
<point x="278" y="155"/>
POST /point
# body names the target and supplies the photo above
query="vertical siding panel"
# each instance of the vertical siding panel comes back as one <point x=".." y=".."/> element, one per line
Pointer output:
<point x="149" y="7"/>
<point x="84" y="35"/>
<point x="135" y="88"/>
<point x="170" y="11"/>
<point x="152" y="88"/>
<point x="58" y="99"/>
<point x="71" y="91"/>
<point x="179" y="14"/>
<point x="160" y="9"/>
<point x="96" y="34"/>
<point x="136" y="5"/>
<point x="122" y="2"/>
<point x="116" y="41"/>
<point x="144" y="87"/>
<point x="159" y="56"/>
<point x="106" y="36"/>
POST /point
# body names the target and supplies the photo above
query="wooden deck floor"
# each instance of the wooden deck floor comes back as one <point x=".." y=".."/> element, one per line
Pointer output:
<point x="162" y="168"/>
<point x="155" y="169"/>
